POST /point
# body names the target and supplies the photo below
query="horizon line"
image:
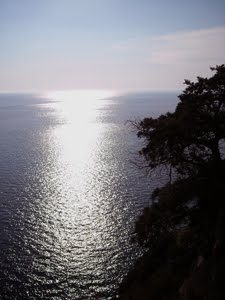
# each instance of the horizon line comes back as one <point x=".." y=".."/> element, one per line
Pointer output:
<point x="139" y="90"/>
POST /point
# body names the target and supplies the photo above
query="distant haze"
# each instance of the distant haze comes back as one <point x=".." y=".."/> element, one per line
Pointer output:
<point x="108" y="44"/>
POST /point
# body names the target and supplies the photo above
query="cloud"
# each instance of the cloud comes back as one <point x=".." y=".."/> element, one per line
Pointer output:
<point x="197" y="46"/>
<point x="203" y="46"/>
<point x="163" y="61"/>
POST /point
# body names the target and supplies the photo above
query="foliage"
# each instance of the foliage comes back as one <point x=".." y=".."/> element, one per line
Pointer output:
<point x="186" y="220"/>
<point x="192" y="135"/>
<point x="190" y="141"/>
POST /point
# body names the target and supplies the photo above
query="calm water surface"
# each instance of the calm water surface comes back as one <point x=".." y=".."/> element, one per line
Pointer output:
<point x="69" y="193"/>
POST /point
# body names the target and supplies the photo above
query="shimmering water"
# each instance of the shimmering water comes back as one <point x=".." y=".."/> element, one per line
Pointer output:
<point x="69" y="193"/>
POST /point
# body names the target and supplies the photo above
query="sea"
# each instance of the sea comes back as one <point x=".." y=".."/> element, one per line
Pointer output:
<point x="71" y="187"/>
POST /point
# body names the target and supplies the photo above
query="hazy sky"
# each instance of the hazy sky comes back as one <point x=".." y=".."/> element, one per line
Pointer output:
<point x="108" y="44"/>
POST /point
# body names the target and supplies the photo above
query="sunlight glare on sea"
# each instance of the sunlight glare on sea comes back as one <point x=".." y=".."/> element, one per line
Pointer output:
<point x="78" y="109"/>
<point x="69" y="192"/>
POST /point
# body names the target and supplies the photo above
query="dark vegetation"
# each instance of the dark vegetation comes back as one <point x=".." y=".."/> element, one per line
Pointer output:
<point x="183" y="231"/>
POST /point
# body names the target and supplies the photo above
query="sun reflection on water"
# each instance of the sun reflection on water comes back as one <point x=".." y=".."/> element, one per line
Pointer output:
<point x="74" y="200"/>
<point x="81" y="209"/>
<point x="80" y="131"/>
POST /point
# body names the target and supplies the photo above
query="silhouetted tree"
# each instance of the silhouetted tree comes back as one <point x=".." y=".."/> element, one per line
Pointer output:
<point x="193" y="135"/>
<point x="183" y="230"/>
<point x="190" y="141"/>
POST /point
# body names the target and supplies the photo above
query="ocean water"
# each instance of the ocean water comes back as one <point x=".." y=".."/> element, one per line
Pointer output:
<point x="70" y="192"/>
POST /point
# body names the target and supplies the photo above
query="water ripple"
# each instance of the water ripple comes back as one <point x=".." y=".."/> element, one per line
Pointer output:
<point x="68" y="197"/>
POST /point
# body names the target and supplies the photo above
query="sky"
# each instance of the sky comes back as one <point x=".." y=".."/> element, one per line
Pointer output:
<point x="108" y="44"/>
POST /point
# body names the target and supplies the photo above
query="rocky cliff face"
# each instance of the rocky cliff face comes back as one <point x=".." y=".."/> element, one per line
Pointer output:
<point x="185" y="278"/>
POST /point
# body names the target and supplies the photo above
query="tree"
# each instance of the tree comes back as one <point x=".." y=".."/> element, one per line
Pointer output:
<point x="194" y="134"/>
<point x="191" y="142"/>
<point x="186" y="220"/>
